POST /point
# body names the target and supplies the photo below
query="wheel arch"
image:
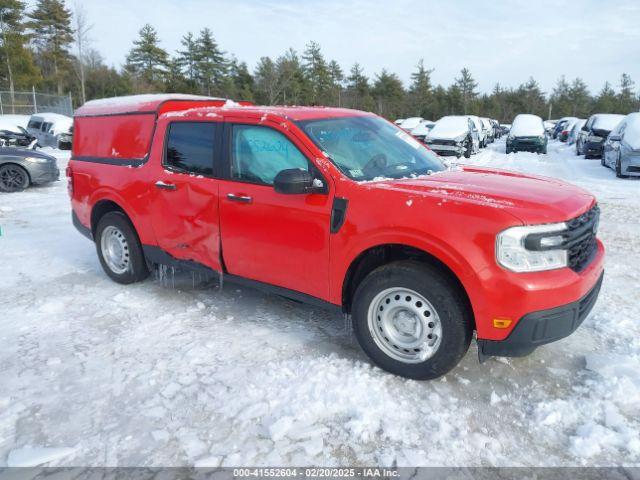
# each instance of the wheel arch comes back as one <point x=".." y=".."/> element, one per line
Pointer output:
<point x="101" y="208"/>
<point x="383" y="254"/>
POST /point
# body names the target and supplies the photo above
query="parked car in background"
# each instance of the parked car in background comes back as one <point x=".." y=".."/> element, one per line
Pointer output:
<point x="20" y="168"/>
<point x="549" y="126"/>
<point x="399" y="121"/>
<point x="575" y="131"/>
<point x="505" y="127"/>
<point x="527" y="134"/>
<point x="488" y="129"/>
<point x="410" y="123"/>
<point x="482" y="138"/>
<point x="51" y="130"/>
<point x="621" y="149"/>
<point x="303" y="221"/>
<point x="594" y="133"/>
<point x="560" y="125"/>
<point x="17" y="137"/>
<point x="497" y="131"/>
<point x="422" y="130"/>
<point x="454" y="136"/>
<point x="566" y="129"/>
<point x="13" y="133"/>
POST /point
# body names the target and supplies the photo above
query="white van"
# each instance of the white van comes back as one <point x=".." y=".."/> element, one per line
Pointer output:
<point x="51" y="130"/>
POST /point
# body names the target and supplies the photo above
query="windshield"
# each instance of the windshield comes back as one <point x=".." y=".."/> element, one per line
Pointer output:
<point x="368" y="148"/>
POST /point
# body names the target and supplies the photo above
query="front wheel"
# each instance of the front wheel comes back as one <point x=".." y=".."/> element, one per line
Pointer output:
<point x="468" y="148"/>
<point x="119" y="249"/>
<point x="619" y="173"/>
<point x="412" y="320"/>
<point x="13" y="178"/>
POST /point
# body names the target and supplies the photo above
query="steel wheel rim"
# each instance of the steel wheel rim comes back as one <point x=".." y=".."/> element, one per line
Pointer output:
<point x="12" y="178"/>
<point x="404" y="325"/>
<point x="115" y="250"/>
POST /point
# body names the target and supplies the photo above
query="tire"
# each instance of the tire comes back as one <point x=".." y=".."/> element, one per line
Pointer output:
<point x="126" y="263"/>
<point x="602" y="162"/>
<point x="13" y="178"/>
<point x="508" y="151"/>
<point x="467" y="150"/>
<point x="543" y="151"/>
<point x="425" y="299"/>
<point x="619" y="169"/>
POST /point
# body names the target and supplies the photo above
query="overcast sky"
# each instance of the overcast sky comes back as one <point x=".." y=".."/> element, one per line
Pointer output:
<point x="499" y="40"/>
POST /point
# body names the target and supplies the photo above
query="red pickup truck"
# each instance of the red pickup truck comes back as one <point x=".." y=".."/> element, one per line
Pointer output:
<point x="338" y="208"/>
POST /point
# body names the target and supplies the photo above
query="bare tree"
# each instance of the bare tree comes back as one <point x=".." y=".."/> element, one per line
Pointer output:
<point x="3" y="27"/>
<point x="82" y="28"/>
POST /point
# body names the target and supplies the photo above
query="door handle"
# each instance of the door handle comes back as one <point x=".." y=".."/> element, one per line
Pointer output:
<point x="239" y="198"/>
<point x="165" y="186"/>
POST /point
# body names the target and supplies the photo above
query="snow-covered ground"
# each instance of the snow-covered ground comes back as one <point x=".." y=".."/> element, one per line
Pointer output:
<point x="182" y="373"/>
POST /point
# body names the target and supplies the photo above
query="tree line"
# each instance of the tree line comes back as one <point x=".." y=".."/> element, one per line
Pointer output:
<point x="48" y="47"/>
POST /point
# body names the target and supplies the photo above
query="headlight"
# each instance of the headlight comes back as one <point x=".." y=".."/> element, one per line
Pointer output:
<point x="532" y="248"/>
<point x="37" y="159"/>
<point x="594" y="139"/>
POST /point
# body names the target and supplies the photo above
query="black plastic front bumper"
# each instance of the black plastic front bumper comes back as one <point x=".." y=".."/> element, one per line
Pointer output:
<point x="593" y="149"/>
<point x="539" y="328"/>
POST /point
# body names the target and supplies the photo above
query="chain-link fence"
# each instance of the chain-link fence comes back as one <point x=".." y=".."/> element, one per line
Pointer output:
<point x="28" y="103"/>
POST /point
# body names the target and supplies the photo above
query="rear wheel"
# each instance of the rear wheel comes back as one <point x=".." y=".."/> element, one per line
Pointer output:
<point x="119" y="249"/>
<point x="13" y="178"/>
<point x="412" y="320"/>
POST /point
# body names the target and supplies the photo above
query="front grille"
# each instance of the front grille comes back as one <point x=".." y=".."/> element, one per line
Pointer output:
<point x="444" y="142"/>
<point x="581" y="238"/>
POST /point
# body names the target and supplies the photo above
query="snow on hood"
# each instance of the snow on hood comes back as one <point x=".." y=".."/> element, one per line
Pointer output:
<point x="410" y="123"/>
<point x="424" y="128"/>
<point x="531" y="199"/>
<point x="606" y="121"/>
<point x="450" y="127"/>
<point x="632" y="132"/>
<point x="527" y="125"/>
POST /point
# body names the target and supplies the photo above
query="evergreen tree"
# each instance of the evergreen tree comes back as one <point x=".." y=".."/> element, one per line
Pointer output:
<point x="147" y="60"/>
<point x="389" y="95"/>
<point x="293" y="86"/>
<point x="210" y="66"/>
<point x="337" y="77"/>
<point x="532" y="98"/>
<point x="187" y="57"/>
<point x="627" y="101"/>
<point x="606" y="101"/>
<point x="580" y="99"/>
<point x="359" y="90"/>
<point x="266" y="81"/>
<point x="420" y="91"/>
<point x="174" y="78"/>
<point x="18" y="69"/>
<point x="560" y="99"/>
<point x="317" y="75"/>
<point x="242" y="80"/>
<point x="50" y="25"/>
<point x="467" y="87"/>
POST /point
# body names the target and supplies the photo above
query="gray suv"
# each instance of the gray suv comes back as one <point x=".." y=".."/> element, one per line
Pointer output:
<point x="20" y="168"/>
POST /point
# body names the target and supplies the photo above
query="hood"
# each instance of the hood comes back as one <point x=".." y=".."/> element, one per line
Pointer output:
<point x="531" y="199"/>
<point x="449" y="133"/>
<point x="23" y="152"/>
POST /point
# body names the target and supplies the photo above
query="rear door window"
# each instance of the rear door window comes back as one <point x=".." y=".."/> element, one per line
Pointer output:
<point x="190" y="147"/>
<point x="34" y="124"/>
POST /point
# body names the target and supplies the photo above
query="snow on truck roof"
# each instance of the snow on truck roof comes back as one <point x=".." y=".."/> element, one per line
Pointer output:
<point x="165" y="103"/>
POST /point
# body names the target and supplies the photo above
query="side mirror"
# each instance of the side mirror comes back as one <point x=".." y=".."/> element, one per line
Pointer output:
<point x="295" y="181"/>
<point x="615" y="138"/>
<point x="584" y="128"/>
